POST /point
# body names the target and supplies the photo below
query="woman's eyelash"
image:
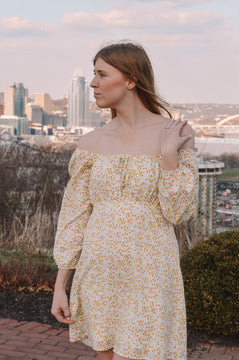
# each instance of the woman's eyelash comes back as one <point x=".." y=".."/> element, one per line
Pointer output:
<point x="100" y="74"/>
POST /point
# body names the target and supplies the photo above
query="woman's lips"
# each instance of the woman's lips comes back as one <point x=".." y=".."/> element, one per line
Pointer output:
<point x="96" y="94"/>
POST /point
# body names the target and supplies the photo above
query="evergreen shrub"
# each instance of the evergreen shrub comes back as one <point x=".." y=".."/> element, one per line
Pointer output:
<point x="211" y="281"/>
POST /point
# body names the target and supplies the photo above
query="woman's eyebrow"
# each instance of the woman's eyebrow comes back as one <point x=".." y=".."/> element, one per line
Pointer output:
<point x="99" y="70"/>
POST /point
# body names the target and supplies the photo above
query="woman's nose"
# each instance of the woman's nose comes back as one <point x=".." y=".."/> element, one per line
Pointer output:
<point x="93" y="82"/>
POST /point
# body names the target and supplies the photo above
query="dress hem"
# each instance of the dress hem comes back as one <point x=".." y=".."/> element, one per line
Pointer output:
<point x="85" y="342"/>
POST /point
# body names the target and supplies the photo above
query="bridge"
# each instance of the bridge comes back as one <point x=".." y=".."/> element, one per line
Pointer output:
<point x="224" y="121"/>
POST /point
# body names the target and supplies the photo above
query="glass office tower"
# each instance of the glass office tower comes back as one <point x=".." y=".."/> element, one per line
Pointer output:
<point x="19" y="100"/>
<point x="78" y="101"/>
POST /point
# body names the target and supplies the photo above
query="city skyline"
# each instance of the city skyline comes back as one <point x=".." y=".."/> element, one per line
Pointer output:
<point x="193" y="45"/>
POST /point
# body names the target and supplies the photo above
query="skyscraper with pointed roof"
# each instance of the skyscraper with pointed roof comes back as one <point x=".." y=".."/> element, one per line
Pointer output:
<point x="78" y="101"/>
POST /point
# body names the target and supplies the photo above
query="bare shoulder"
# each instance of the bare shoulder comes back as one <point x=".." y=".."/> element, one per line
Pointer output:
<point x="159" y="122"/>
<point x="90" y="140"/>
<point x="163" y="121"/>
<point x="94" y="140"/>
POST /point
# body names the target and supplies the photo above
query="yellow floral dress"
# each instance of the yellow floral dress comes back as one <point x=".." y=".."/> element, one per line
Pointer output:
<point x="115" y="228"/>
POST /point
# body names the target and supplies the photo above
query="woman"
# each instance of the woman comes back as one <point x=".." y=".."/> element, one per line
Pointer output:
<point x="131" y="180"/>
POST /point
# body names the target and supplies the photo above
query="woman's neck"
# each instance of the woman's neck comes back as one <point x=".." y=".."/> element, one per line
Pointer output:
<point x="132" y="116"/>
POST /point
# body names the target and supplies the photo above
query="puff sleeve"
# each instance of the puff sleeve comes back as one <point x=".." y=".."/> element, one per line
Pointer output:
<point x="75" y="211"/>
<point x="178" y="189"/>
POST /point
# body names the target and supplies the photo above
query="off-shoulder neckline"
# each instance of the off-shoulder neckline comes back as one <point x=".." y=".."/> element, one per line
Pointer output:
<point x="124" y="154"/>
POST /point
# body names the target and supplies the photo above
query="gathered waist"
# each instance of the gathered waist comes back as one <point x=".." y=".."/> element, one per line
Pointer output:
<point x="124" y="201"/>
<point x="125" y="212"/>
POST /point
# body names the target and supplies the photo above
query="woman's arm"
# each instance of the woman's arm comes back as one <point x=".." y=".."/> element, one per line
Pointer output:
<point x="178" y="180"/>
<point x="60" y="308"/>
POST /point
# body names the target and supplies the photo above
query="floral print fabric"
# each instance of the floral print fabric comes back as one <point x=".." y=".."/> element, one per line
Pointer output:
<point x="115" y="228"/>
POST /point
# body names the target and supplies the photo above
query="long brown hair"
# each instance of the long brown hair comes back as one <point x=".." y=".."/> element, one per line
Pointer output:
<point x="132" y="60"/>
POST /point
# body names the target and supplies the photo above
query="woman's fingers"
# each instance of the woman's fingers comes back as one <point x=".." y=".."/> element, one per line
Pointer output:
<point x="169" y="123"/>
<point x="68" y="321"/>
<point x="174" y="122"/>
<point x="63" y="316"/>
<point x="185" y="138"/>
<point x="66" y="311"/>
<point x="175" y="135"/>
<point x="64" y="320"/>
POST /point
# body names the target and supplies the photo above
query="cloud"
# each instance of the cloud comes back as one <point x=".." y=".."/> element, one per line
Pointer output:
<point x="11" y="46"/>
<point x="196" y="22"/>
<point x="16" y="27"/>
<point x="83" y="20"/>
<point x="173" y="3"/>
<point x="139" y="20"/>
<point x="174" y="41"/>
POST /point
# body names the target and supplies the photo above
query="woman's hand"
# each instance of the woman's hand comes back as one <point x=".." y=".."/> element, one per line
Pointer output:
<point x="171" y="139"/>
<point x="60" y="308"/>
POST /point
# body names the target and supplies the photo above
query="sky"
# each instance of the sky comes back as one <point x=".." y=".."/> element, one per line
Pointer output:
<point x="193" y="44"/>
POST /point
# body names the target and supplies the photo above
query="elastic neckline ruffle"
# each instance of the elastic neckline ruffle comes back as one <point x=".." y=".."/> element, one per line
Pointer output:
<point x="123" y="154"/>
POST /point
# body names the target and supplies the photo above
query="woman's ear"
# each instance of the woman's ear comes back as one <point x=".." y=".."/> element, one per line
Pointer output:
<point x="132" y="82"/>
<point x="131" y="85"/>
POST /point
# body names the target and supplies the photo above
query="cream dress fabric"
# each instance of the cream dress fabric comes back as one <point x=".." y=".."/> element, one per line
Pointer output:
<point x="115" y="228"/>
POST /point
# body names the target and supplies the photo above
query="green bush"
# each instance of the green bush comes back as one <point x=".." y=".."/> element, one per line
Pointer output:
<point x="211" y="280"/>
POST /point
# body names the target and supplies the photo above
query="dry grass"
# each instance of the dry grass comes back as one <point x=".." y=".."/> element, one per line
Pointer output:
<point x="31" y="232"/>
<point x="186" y="236"/>
<point x="26" y="262"/>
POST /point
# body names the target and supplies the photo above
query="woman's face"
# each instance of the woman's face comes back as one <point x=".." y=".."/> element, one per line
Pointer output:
<point x="109" y="84"/>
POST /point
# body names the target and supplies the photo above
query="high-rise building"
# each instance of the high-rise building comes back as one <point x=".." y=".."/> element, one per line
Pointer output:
<point x="34" y="113"/>
<point x="44" y="101"/>
<point x="1" y="102"/>
<point x="78" y="101"/>
<point x="1" y="98"/>
<point x="19" y="100"/>
<point x="9" y="100"/>
<point x="14" y="100"/>
<point x="206" y="212"/>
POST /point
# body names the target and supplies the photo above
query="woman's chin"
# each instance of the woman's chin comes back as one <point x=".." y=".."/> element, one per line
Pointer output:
<point x="101" y="104"/>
